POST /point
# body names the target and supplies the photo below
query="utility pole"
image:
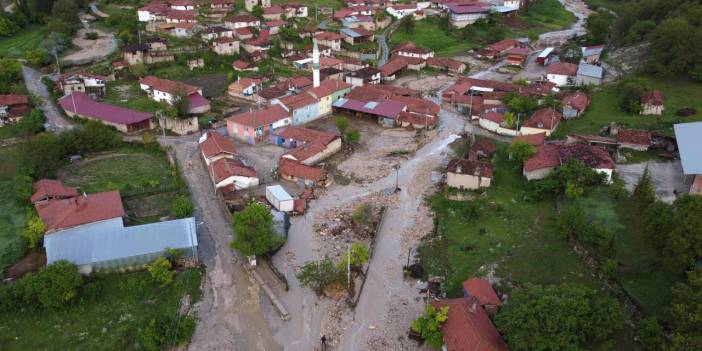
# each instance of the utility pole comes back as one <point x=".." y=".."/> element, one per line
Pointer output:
<point x="58" y="65"/>
<point x="348" y="266"/>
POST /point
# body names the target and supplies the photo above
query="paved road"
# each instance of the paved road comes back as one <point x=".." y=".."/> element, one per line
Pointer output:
<point x="382" y="40"/>
<point x="229" y="313"/>
<point x="55" y="122"/>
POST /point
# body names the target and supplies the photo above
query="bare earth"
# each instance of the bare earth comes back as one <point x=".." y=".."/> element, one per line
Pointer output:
<point x="91" y="50"/>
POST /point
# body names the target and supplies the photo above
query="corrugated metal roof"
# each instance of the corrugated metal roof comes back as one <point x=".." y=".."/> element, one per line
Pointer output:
<point x="109" y="240"/>
<point x="690" y="146"/>
<point x="279" y="192"/>
<point x="350" y="32"/>
<point x="586" y="69"/>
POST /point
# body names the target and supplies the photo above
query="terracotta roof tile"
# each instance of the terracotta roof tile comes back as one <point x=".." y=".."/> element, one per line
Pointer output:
<point x="471" y="167"/>
<point x="482" y="290"/>
<point x="469" y="328"/>
<point x="262" y="117"/>
<point x="52" y="188"/>
<point x="168" y="86"/>
<point x="631" y="136"/>
<point x="298" y="170"/>
<point x="227" y="167"/>
<point x="71" y="212"/>
<point x="545" y="118"/>
<point x="216" y="144"/>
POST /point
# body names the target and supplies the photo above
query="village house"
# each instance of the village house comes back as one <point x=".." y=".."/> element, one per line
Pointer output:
<point x="241" y="21"/>
<point x="469" y="174"/>
<point x="225" y="46"/>
<point x="91" y="84"/>
<point x="137" y="53"/>
<point x="250" y="4"/>
<point x="125" y="120"/>
<point x="547" y="56"/>
<point x="359" y="35"/>
<point x="499" y="49"/>
<point x="639" y="140"/>
<point x="274" y="26"/>
<point x="544" y="120"/>
<point x="302" y="175"/>
<point x="468" y="326"/>
<point x="363" y="76"/>
<point x="243" y="66"/>
<point x="168" y="91"/>
<point x="222" y="4"/>
<point x="176" y="16"/>
<point x="589" y="74"/>
<point x="274" y="12"/>
<point x="12" y="108"/>
<point x="399" y="11"/>
<point x="517" y="56"/>
<point x="152" y="11"/>
<point x="311" y="147"/>
<point x="394" y="66"/>
<point x="328" y="92"/>
<point x="182" y="5"/>
<point x="303" y="107"/>
<point x="331" y="73"/>
<point x="360" y="21"/>
<point x="215" y="146"/>
<point x="195" y="63"/>
<point x="574" y="104"/>
<point x="88" y="230"/>
<point x="330" y="62"/>
<point x="184" y="30"/>
<point x="409" y="49"/>
<point x="464" y="15"/>
<point x="255" y="126"/>
<point x="548" y="157"/>
<point x="245" y="88"/>
<point x="592" y="54"/>
<point x="229" y="174"/>
<point x="386" y="112"/>
<point x="562" y="73"/>
<point x="418" y="113"/>
<point x="652" y="103"/>
<point x="215" y="32"/>
<point x="295" y="10"/>
<point x="482" y="290"/>
<point x="259" y="44"/>
<point x="330" y="39"/>
<point x="482" y="149"/>
<point x="491" y="121"/>
<point x="446" y="64"/>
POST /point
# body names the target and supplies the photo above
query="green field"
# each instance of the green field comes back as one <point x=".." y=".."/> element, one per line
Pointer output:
<point x="542" y="16"/>
<point x="519" y="237"/>
<point x="16" y="45"/>
<point x="640" y="270"/>
<point x="12" y="213"/>
<point x="145" y="181"/>
<point x="109" y="313"/>
<point x="604" y="109"/>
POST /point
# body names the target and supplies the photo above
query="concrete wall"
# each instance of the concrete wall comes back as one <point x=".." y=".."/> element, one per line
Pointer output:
<point x="182" y="126"/>
<point x="239" y="182"/>
<point x="331" y="149"/>
<point x="538" y="174"/>
<point x="530" y="131"/>
<point x="467" y="181"/>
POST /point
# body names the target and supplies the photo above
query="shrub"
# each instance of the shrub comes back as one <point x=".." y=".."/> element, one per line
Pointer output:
<point x="160" y="270"/>
<point x="361" y="214"/>
<point x="254" y="232"/>
<point x="53" y="287"/>
<point x="166" y="330"/>
<point x="318" y="275"/>
<point x="34" y="231"/>
<point x="182" y="207"/>
<point x="428" y="325"/>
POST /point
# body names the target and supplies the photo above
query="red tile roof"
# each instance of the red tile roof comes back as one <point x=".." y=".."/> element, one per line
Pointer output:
<point x="12" y="99"/>
<point x="468" y="328"/>
<point x="503" y="45"/>
<point x="227" y="167"/>
<point x="168" y="86"/>
<point x="307" y="135"/>
<point x="591" y="156"/>
<point x="240" y="64"/>
<point x="417" y="119"/>
<point x="393" y="66"/>
<point x="88" y="107"/>
<point x="545" y="118"/>
<point x="262" y="117"/>
<point x="52" y="188"/>
<point x="306" y="150"/>
<point x="368" y="93"/>
<point x="276" y="23"/>
<point x="482" y="290"/>
<point x="273" y="10"/>
<point x="181" y="15"/>
<point x="294" y="102"/>
<point x="631" y="136"/>
<point x="293" y="168"/>
<point x="494" y="117"/>
<point x="563" y="68"/>
<point x="241" y="19"/>
<point x="71" y="212"/>
<point x="653" y="97"/>
<point x="484" y="145"/>
<point x="216" y="144"/>
<point x="470" y="167"/>
<point x="326" y="36"/>
<point x="416" y="105"/>
<point x="577" y="101"/>
<point x="546" y="156"/>
<point x="518" y="51"/>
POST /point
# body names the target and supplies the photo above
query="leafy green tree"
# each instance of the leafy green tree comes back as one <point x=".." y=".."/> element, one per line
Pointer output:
<point x="160" y="270"/>
<point x="428" y="325"/>
<point x="36" y="57"/>
<point x="644" y="194"/>
<point x="8" y="27"/>
<point x="639" y="31"/>
<point x="407" y="24"/>
<point x="10" y="71"/>
<point x="564" y="317"/>
<point x="22" y="186"/>
<point x="686" y="312"/>
<point x="139" y="70"/>
<point x="599" y="27"/>
<point x="671" y="52"/>
<point x="253" y="231"/>
<point x="521" y="151"/>
<point x="58" y="284"/>
<point x="32" y="123"/>
<point x="166" y="330"/>
<point x="357" y="257"/>
<point x="342" y="123"/>
<point x="182" y="207"/>
<point x="318" y="275"/>
<point x="34" y="230"/>
<point x="65" y="10"/>
<point x="257" y="11"/>
<point x="353" y="136"/>
<point x="617" y="188"/>
<point x="523" y="105"/>
<point x="40" y="156"/>
<point x="650" y="334"/>
<point x="657" y="222"/>
<point x="683" y="247"/>
<point x="510" y="120"/>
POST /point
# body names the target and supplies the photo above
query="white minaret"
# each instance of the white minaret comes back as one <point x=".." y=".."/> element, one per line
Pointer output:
<point x="315" y="64"/>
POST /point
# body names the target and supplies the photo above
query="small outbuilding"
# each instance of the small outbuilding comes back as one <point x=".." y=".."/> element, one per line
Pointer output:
<point x="279" y="198"/>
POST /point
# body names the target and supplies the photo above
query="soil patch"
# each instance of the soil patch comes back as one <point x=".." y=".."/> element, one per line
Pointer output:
<point x="34" y="261"/>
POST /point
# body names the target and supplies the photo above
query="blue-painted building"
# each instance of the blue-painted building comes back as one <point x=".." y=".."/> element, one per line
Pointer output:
<point x="303" y="107"/>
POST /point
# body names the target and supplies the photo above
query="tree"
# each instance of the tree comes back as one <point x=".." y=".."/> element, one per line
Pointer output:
<point x="32" y="123"/>
<point x="407" y="24"/>
<point x="10" y="71"/>
<point x="428" y="325"/>
<point x="657" y="222"/>
<point x="342" y="123"/>
<point x="599" y="27"/>
<point x="257" y="11"/>
<point x="40" y="156"/>
<point x="22" y="186"/>
<point x="8" y="28"/>
<point x="58" y="284"/>
<point x="253" y="231"/>
<point x="564" y="317"/>
<point x="510" y="120"/>
<point x="182" y="207"/>
<point x="522" y="105"/>
<point x="36" y="57"/>
<point x="686" y="311"/>
<point x="160" y="270"/>
<point x="65" y="11"/>
<point x="521" y="151"/>
<point x="34" y="231"/>
<point x="633" y="91"/>
<point x="353" y="136"/>
<point x="683" y="247"/>
<point x="318" y="275"/>
<point x="139" y="70"/>
<point x="644" y="194"/>
<point x="671" y="52"/>
<point x="650" y="334"/>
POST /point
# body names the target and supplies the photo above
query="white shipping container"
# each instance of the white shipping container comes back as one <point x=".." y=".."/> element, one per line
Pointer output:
<point x="279" y="198"/>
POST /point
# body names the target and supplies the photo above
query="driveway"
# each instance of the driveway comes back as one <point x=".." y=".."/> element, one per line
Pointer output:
<point x="229" y="315"/>
<point x="55" y="121"/>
